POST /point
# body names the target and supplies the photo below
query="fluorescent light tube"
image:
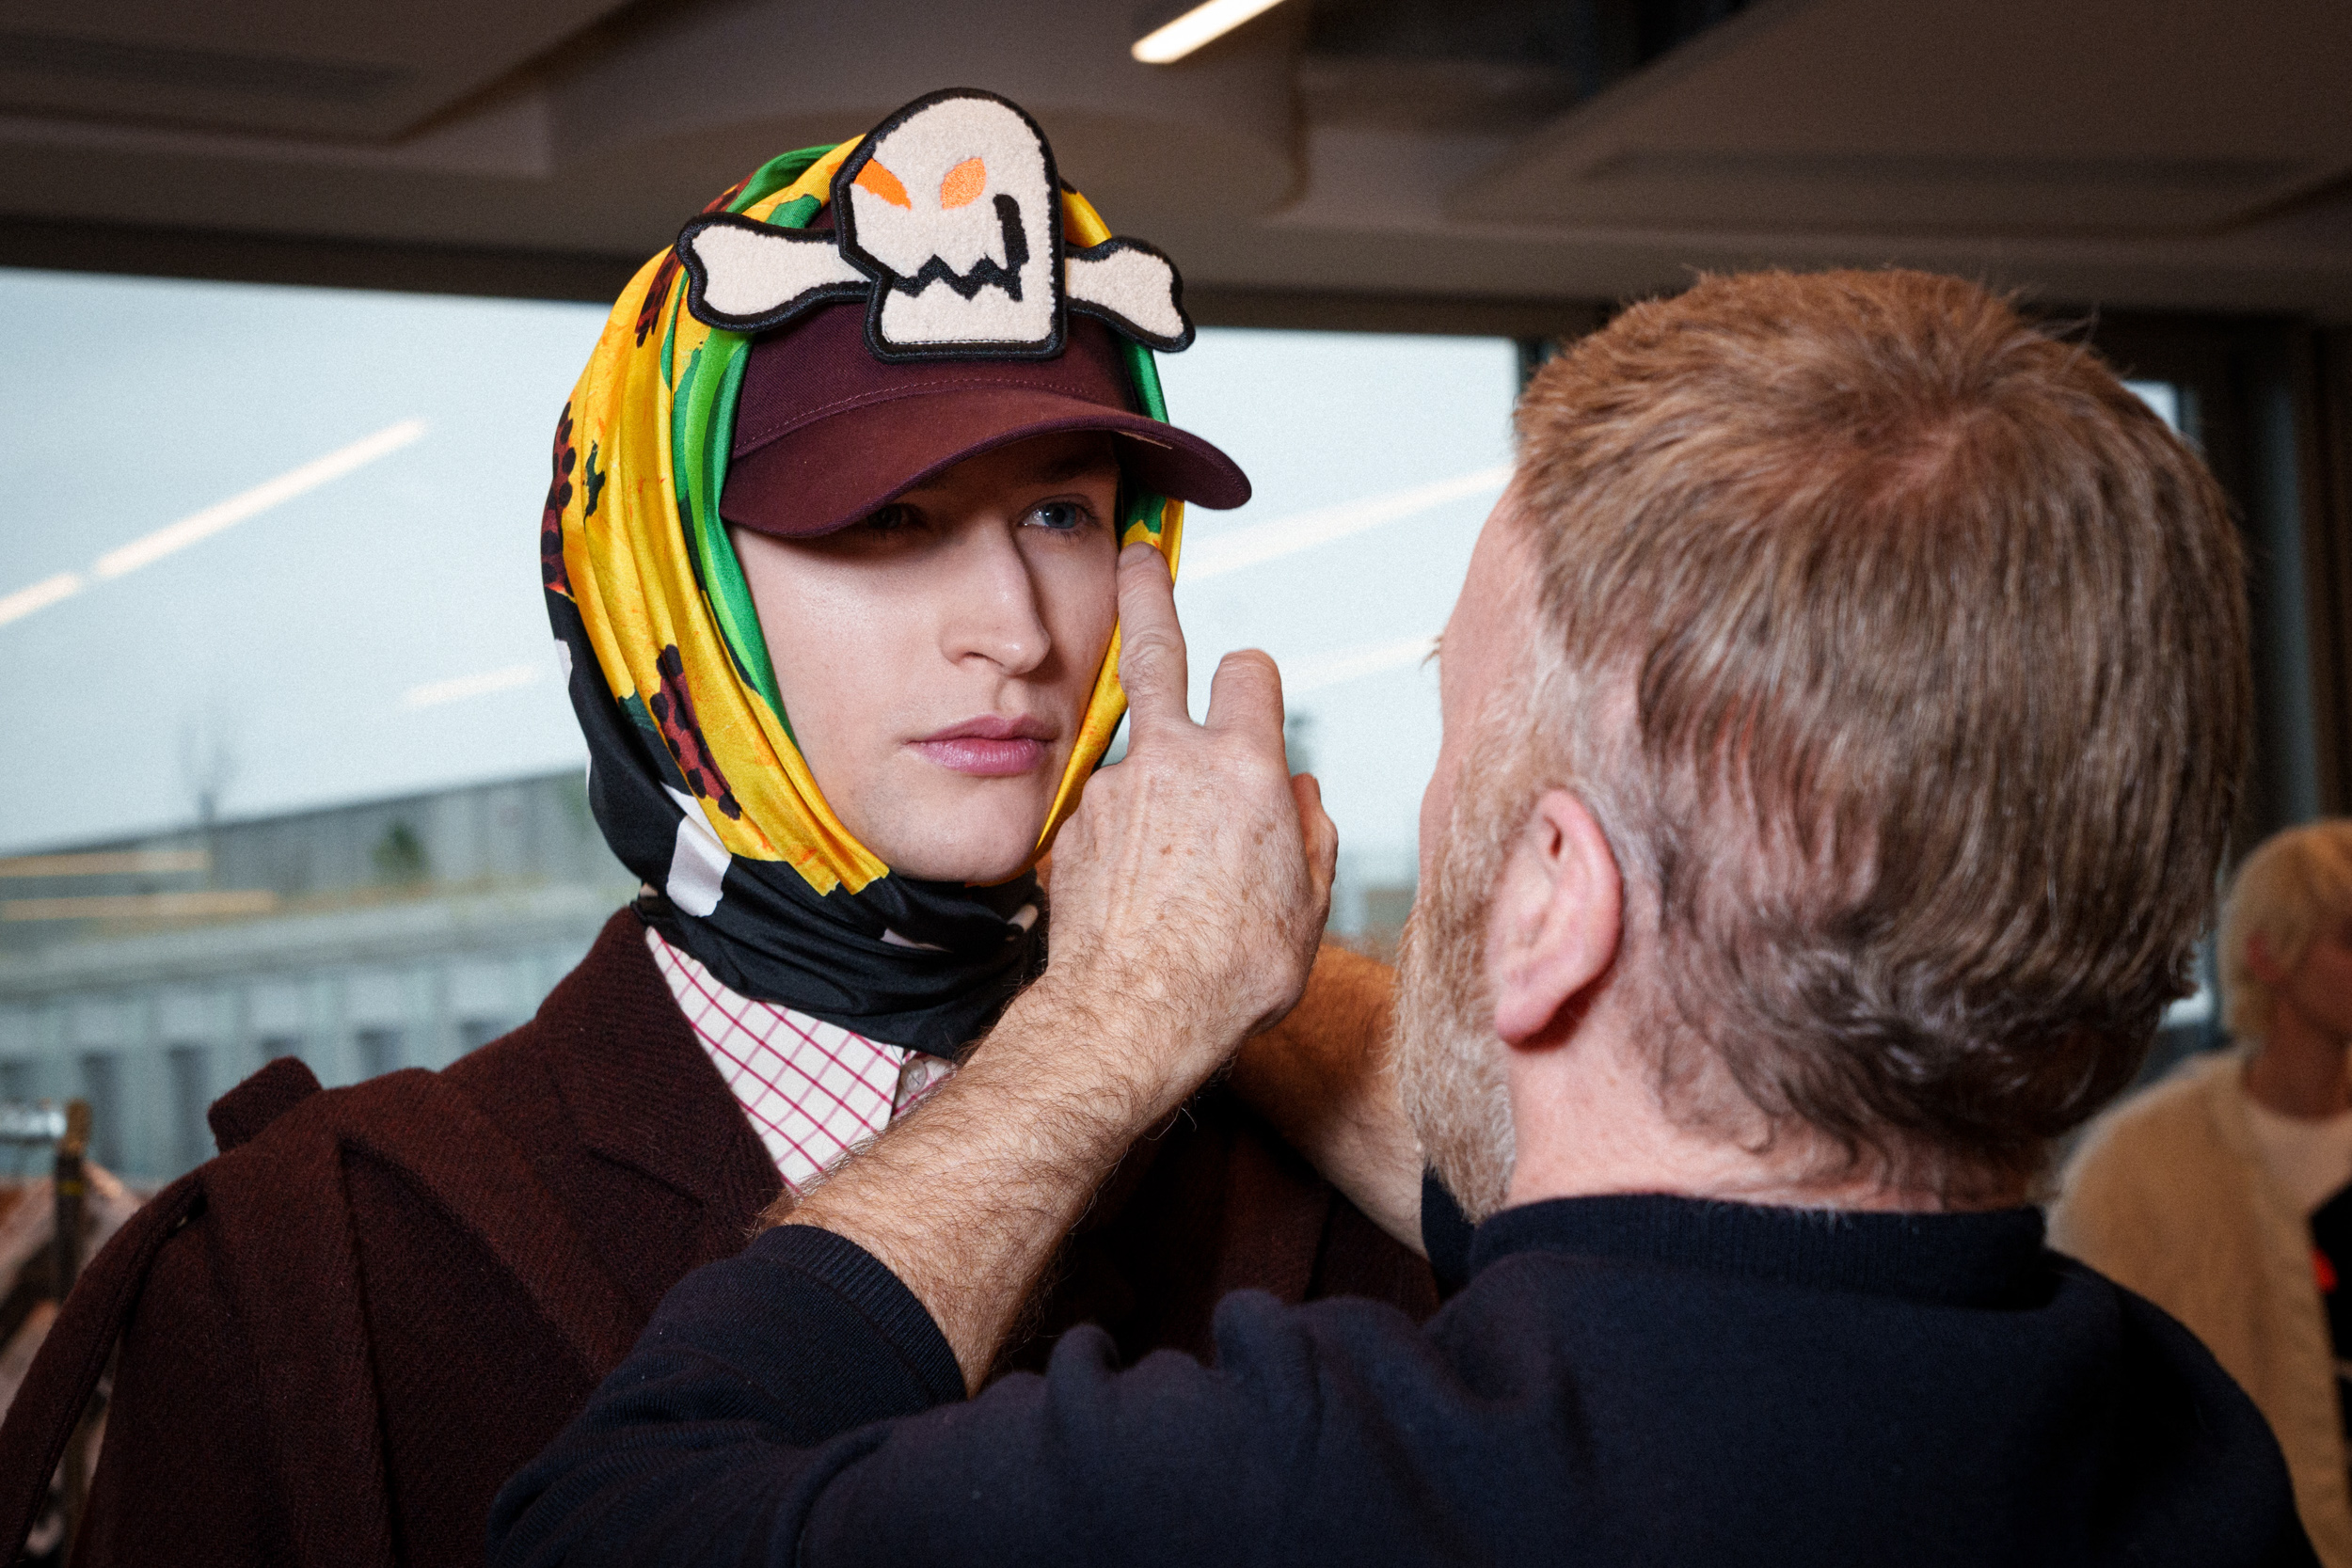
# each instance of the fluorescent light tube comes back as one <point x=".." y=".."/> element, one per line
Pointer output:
<point x="1166" y="45"/>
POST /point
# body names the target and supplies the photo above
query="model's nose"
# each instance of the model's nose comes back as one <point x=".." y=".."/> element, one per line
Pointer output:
<point x="998" y="617"/>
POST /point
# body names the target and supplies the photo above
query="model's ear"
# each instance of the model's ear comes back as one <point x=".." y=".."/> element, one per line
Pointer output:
<point x="2263" y="962"/>
<point x="1557" y="913"/>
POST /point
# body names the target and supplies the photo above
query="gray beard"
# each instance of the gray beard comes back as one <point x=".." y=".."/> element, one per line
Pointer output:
<point x="1448" y="1060"/>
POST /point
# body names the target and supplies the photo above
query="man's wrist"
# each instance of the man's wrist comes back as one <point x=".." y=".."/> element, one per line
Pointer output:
<point x="1129" y="1049"/>
<point x="1009" y="1151"/>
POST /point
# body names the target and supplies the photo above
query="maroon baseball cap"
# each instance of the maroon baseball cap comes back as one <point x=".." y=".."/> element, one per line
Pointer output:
<point x="825" y="434"/>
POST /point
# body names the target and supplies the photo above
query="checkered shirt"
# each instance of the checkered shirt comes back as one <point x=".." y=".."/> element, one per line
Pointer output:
<point x="812" y="1090"/>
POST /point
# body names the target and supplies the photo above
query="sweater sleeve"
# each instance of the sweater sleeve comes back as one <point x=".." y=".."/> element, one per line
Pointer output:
<point x="739" y="1431"/>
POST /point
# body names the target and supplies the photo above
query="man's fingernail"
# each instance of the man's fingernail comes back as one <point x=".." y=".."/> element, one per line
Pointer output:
<point x="1134" y="553"/>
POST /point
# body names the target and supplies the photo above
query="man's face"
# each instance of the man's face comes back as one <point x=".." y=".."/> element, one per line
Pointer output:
<point x="1449" y="1058"/>
<point x="935" y="660"/>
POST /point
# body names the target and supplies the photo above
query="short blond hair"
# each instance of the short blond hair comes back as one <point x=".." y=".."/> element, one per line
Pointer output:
<point x="1933" y="641"/>
<point x="2295" y="883"/>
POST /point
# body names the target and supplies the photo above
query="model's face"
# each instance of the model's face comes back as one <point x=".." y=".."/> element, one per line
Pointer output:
<point x="935" y="660"/>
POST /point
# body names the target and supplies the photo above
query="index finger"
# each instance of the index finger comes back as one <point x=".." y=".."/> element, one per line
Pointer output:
<point x="1151" y="643"/>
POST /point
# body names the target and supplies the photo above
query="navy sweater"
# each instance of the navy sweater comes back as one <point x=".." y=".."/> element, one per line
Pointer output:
<point x="1623" y="1380"/>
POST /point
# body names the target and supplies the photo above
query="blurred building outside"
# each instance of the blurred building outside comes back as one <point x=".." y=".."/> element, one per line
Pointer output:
<point x="148" y="976"/>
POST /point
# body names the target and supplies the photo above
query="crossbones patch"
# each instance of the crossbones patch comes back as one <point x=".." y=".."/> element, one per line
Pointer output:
<point x="947" y="222"/>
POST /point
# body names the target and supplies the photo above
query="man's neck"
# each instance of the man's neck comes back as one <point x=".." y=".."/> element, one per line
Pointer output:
<point x="2299" y="1071"/>
<point x="1588" y="1123"/>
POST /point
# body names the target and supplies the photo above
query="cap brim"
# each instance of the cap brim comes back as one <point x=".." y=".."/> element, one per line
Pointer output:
<point x="834" y="470"/>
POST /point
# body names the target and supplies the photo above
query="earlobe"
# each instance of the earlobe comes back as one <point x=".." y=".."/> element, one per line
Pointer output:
<point x="1555" y="919"/>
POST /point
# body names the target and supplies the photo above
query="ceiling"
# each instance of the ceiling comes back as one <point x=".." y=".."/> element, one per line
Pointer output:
<point x="2153" y="155"/>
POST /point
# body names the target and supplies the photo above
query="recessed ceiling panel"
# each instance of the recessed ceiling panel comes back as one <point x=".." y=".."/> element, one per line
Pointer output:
<point x="355" y="69"/>
<point x="2003" y="115"/>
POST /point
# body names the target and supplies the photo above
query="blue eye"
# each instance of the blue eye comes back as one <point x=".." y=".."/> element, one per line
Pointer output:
<point x="888" y="520"/>
<point x="1061" y="516"/>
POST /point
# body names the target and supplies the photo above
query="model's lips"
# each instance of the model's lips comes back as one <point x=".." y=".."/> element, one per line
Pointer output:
<point x="989" y="747"/>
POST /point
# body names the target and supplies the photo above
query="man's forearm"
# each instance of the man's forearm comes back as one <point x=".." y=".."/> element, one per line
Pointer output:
<point x="1193" y="879"/>
<point x="967" y="1198"/>
<point x="1322" y="1077"/>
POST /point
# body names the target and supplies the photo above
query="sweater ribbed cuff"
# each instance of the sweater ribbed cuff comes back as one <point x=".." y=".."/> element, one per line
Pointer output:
<point x="897" y="1315"/>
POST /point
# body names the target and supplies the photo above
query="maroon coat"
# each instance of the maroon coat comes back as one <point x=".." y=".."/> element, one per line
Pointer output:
<point x="339" y="1337"/>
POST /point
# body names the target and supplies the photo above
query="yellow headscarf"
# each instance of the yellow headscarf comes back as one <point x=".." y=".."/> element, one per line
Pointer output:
<point x="693" y="773"/>
<point x="661" y="597"/>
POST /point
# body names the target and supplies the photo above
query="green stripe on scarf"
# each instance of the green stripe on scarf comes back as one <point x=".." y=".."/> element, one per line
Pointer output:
<point x="702" y="436"/>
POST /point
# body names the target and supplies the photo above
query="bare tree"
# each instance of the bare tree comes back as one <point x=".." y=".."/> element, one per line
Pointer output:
<point x="208" y="767"/>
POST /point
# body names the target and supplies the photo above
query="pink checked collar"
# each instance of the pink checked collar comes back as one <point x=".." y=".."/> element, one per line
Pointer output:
<point x="812" y="1090"/>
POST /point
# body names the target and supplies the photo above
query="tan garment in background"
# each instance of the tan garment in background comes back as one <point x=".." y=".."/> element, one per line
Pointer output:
<point x="2170" y="1196"/>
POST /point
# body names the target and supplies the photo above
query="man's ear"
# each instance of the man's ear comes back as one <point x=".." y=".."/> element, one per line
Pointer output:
<point x="1557" y="913"/>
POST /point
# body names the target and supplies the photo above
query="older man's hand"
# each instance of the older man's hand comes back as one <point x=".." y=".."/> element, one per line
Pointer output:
<point x="1191" y="886"/>
<point x="1189" y="893"/>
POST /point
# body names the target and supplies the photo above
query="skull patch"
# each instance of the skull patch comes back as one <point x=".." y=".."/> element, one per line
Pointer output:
<point x="948" y="220"/>
<point x="950" y="207"/>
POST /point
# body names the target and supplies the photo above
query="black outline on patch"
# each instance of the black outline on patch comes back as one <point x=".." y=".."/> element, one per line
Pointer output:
<point x="698" y="276"/>
<point x="1103" y="313"/>
<point x="845" y="231"/>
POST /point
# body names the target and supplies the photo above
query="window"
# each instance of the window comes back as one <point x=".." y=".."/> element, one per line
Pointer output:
<point x="269" y="477"/>
<point x="310" y="579"/>
<point x="300" y="613"/>
<point x="2165" y="397"/>
<point x="1375" y="459"/>
<point x="2192" y="1023"/>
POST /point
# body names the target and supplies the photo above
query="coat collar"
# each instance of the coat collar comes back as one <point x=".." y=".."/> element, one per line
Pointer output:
<point x="639" y="1090"/>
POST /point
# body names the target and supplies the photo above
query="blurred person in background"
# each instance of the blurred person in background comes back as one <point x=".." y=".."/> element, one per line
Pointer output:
<point x="1844" y="713"/>
<point x="2224" y="1192"/>
<point x="830" y="555"/>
